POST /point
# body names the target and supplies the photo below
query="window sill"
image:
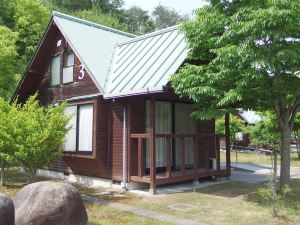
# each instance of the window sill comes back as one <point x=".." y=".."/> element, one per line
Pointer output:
<point x="78" y="154"/>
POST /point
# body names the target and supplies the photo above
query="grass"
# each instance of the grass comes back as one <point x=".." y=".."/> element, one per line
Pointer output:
<point x="258" y="158"/>
<point x="104" y="215"/>
<point x="97" y="214"/>
<point x="231" y="203"/>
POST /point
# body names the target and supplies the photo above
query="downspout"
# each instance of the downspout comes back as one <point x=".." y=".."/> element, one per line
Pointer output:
<point x="124" y="151"/>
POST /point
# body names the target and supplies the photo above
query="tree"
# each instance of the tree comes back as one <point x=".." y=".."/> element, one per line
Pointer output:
<point x="249" y="53"/>
<point x="165" y="17"/>
<point x="30" y="19"/>
<point x="265" y="134"/>
<point x="8" y="62"/>
<point x="96" y="15"/>
<point x="236" y="126"/>
<point x="138" y="20"/>
<point x="31" y="135"/>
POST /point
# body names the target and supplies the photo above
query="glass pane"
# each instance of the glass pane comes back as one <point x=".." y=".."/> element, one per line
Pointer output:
<point x="55" y="70"/>
<point x="184" y="124"/>
<point x="70" y="138"/>
<point x="70" y="60"/>
<point x="85" y="128"/>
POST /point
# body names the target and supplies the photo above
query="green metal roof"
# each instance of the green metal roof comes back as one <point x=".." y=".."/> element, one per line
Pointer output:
<point x="93" y="44"/>
<point x="144" y="64"/>
<point x="120" y="63"/>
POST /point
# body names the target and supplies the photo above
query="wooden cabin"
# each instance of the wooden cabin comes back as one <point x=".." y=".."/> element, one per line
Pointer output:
<point x="128" y="124"/>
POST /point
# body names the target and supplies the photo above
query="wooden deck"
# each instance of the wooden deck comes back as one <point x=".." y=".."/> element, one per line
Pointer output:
<point x="205" y="147"/>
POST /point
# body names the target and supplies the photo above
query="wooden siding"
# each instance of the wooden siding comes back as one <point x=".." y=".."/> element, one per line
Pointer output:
<point x="116" y="133"/>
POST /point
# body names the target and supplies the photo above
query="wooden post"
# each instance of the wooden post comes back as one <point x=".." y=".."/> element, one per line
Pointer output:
<point x="227" y="142"/>
<point x="152" y="148"/>
<point x="182" y="155"/>
<point x="168" y="156"/>
<point x="140" y="158"/>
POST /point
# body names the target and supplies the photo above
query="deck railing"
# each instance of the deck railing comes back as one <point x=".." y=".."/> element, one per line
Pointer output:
<point x="203" y="142"/>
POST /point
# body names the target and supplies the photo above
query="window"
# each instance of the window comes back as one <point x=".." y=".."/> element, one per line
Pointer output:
<point x="68" y="67"/>
<point x="55" y="70"/>
<point x="68" y="59"/>
<point x="184" y="124"/>
<point x="163" y="124"/>
<point x="85" y="141"/>
<point x="70" y="138"/>
<point x="80" y="137"/>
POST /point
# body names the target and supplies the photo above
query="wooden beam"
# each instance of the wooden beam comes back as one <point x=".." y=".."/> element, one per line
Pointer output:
<point x="152" y="148"/>
<point x="227" y="142"/>
<point x="140" y="158"/>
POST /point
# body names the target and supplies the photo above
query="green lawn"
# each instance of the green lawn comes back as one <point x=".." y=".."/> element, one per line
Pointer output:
<point x="98" y="214"/>
<point x="230" y="203"/>
<point x="258" y="158"/>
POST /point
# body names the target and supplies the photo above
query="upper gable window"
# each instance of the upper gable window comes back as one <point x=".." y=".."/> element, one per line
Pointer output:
<point x="68" y="59"/>
<point x="55" y="70"/>
<point x="68" y="67"/>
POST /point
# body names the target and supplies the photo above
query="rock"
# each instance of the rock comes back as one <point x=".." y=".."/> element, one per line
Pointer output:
<point x="49" y="203"/>
<point x="7" y="210"/>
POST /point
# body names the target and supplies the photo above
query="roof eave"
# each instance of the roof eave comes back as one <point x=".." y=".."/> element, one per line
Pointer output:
<point x="144" y="91"/>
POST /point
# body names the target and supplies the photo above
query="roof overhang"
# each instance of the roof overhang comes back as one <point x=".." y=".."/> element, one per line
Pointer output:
<point x="144" y="91"/>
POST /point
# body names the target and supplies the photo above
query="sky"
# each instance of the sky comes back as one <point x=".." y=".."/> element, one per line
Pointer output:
<point x="183" y="6"/>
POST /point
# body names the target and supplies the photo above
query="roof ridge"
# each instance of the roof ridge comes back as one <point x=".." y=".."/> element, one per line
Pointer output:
<point x="152" y="34"/>
<point x="89" y="23"/>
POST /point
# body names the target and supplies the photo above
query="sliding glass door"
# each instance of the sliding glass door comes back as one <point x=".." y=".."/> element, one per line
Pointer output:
<point x="163" y="125"/>
<point x="184" y="124"/>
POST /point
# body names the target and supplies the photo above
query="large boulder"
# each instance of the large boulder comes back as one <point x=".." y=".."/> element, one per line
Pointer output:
<point x="7" y="210"/>
<point x="49" y="203"/>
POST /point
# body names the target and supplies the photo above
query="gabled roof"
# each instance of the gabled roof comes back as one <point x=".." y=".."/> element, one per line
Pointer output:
<point x="93" y="44"/>
<point x="144" y="64"/>
<point x="119" y="63"/>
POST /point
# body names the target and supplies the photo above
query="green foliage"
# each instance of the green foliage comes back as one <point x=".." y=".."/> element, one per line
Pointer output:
<point x="31" y="135"/>
<point x="236" y="126"/>
<point x="8" y="62"/>
<point x="30" y="20"/>
<point x="248" y="60"/>
<point x="248" y="55"/>
<point x="266" y="133"/>
<point x="96" y="15"/>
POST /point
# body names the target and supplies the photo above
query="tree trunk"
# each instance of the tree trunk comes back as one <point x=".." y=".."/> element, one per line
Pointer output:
<point x="285" y="144"/>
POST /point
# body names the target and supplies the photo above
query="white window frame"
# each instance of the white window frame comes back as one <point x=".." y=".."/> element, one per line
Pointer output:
<point x="58" y="56"/>
<point x="77" y="149"/>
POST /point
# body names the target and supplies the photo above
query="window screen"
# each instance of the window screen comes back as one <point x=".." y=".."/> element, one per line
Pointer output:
<point x="55" y="70"/>
<point x="70" y="138"/>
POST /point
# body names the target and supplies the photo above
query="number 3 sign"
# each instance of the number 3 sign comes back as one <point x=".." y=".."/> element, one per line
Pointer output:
<point x="80" y="77"/>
